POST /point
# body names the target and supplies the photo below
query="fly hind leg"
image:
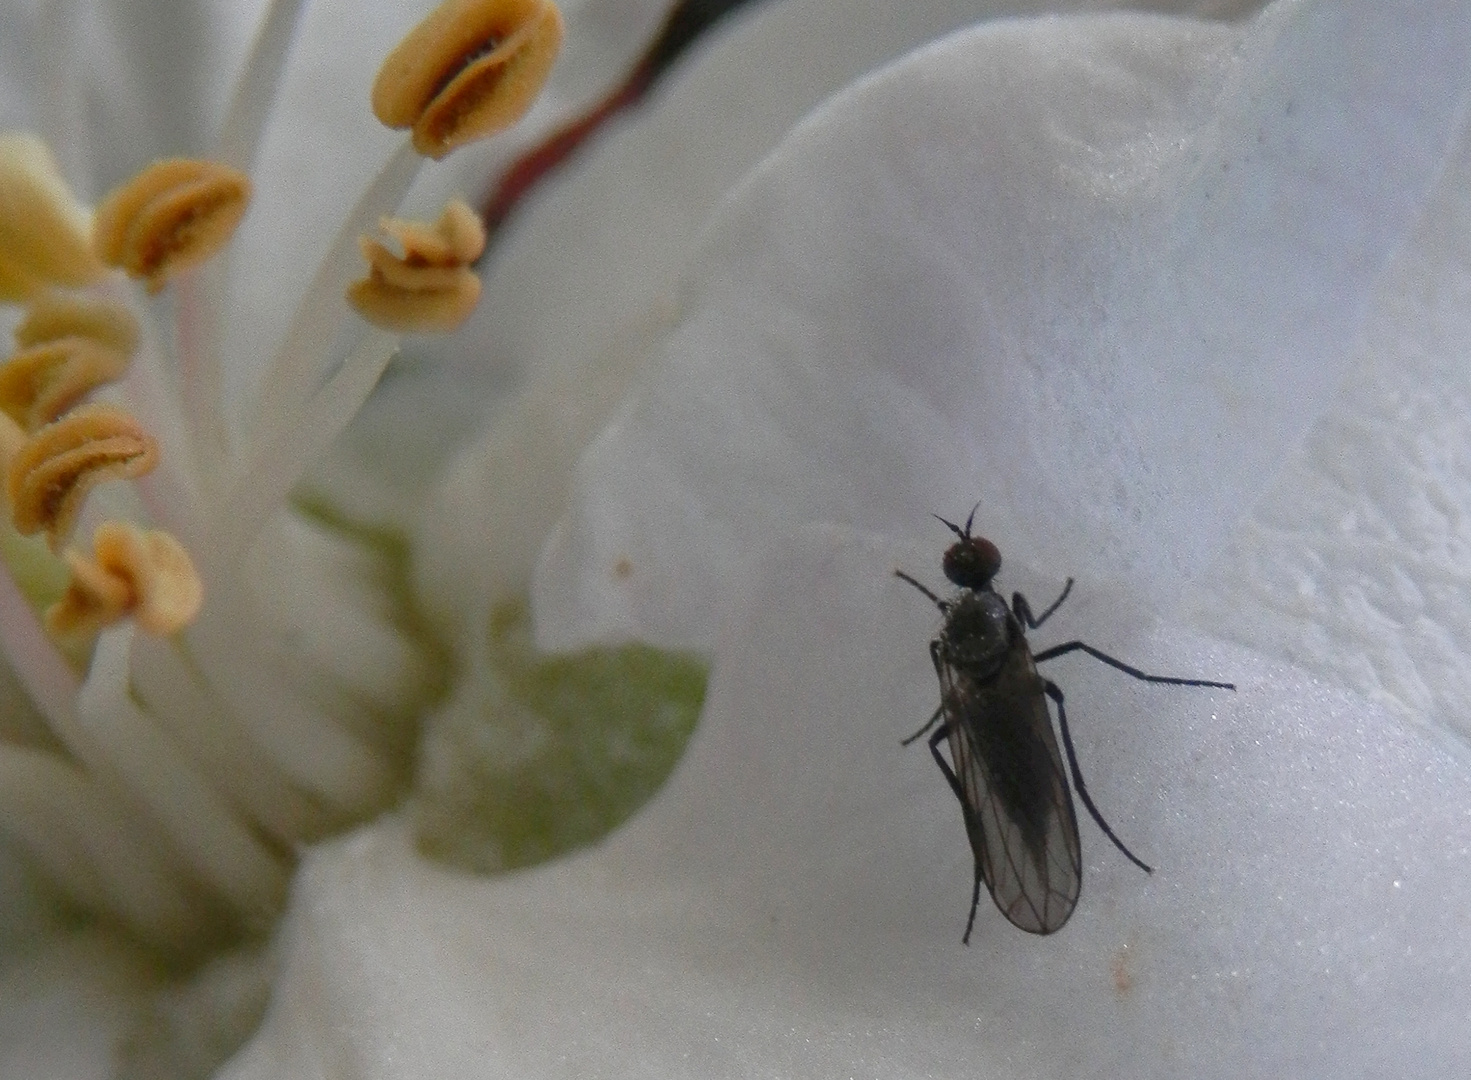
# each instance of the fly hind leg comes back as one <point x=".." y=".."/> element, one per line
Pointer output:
<point x="1055" y="693"/>
<point x="1099" y="654"/>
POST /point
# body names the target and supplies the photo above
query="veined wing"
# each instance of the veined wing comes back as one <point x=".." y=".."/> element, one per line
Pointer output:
<point x="1017" y="803"/>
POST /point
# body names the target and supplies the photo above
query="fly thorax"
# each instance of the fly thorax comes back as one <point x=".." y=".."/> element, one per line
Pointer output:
<point x="977" y="634"/>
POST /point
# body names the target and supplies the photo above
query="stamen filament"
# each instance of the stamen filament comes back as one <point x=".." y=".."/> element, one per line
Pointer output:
<point x="186" y="707"/>
<point x="305" y="355"/>
<point x="255" y="92"/>
<point x="306" y="745"/>
<point x="89" y="844"/>
<point x="47" y="679"/>
<point x="150" y="385"/>
<point x="302" y="433"/>
<point x="199" y="298"/>
<point x="217" y="847"/>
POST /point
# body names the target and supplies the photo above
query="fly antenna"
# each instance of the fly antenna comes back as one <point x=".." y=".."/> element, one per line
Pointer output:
<point x="971" y="518"/>
<point x="953" y="527"/>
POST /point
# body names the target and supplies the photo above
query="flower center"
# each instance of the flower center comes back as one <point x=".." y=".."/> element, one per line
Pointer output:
<point x="263" y="703"/>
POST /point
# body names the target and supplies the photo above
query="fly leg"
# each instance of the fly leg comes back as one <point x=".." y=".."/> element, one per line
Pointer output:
<point x="1055" y="693"/>
<point x="941" y="604"/>
<point x="927" y="725"/>
<point x="975" y="902"/>
<point x="1078" y="646"/>
<point x="939" y="670"/>
<point x="942" y="733"/>
<point x="1023" y="610"/>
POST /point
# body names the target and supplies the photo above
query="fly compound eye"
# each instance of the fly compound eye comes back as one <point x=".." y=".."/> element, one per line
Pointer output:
<point x="972" y="562"/>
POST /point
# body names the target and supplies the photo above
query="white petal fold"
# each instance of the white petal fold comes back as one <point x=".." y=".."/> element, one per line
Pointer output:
<point x="1099" y="274"/>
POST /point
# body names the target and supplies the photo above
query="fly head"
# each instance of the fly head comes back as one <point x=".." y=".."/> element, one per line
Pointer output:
<point x="972" y="561"/>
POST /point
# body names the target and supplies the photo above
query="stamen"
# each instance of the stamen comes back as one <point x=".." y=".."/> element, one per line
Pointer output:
<point x="469" y="70"/>
<point x="208" y="835"/>
<point x="260" y="79"/>
<point x="173" y="215"/>
<point x="51" y="475"/>
<point x="304" y="358"/>
<point x="147" y="575"/>
<point x="69" y="348"/>
<point x="53" y="315"/>
<point x="430" y="287"/>
<point x="190" y="710"/>
<point x="91" y="844"/>
<point x="44" y="233"/>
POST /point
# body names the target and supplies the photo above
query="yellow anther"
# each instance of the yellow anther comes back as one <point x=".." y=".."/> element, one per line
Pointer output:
<point x="44" y="233"/>
<point x="50" y="476"/>
<point x="456" y="239"/>
<point x="147" y="575"/>
<point x="430" y="287"/>
<point x="70" y="346"/>
<point x="471" y="69"/>
<point x="53" y="315"/>
<point x="173" y="215"/>
<point x="13" y="439"/>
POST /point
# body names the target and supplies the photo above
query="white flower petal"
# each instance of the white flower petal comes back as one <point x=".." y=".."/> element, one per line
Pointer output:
<point x="1356" y="564"/>
<point x="792" y="903"/>
<point x="579" y="289"/>
<point x="1099" y="274"/>
<point x="633" y="211"/>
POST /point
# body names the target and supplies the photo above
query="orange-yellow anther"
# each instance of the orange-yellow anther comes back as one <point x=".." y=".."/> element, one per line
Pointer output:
<point x="171" y="216"/>
<point x="471" y="69"/>
<point x="147" y="575"/>
<point x="44" y="232"/>
<point x="49" y="477"/>
<point x="55" y="315"/>
<point x="69" y="347"/>
<point x="430" y="287"/>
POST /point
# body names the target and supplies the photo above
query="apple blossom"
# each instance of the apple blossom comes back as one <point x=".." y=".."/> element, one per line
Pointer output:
<point x="1104" y="274"/>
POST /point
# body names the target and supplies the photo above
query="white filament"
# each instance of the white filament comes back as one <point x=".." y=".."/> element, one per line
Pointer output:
<point x="304" y="356"/>
<point x="209" y="835"/>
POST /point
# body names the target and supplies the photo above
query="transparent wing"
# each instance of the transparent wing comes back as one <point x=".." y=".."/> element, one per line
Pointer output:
<point x="1018" y="806"/>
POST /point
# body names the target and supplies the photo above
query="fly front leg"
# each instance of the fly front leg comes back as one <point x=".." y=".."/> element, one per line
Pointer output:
<point x="942" y="605"/>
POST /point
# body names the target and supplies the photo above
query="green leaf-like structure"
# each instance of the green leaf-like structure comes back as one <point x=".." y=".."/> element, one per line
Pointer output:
<point x="552" y="752"/>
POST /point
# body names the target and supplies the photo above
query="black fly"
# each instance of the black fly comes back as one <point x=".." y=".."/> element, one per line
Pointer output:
<point x="1004" y="766"/>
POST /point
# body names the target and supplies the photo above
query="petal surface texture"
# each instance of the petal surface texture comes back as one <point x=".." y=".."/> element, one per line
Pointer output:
<point x="792" y="903"/>
<point x="1099" y="274"/>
